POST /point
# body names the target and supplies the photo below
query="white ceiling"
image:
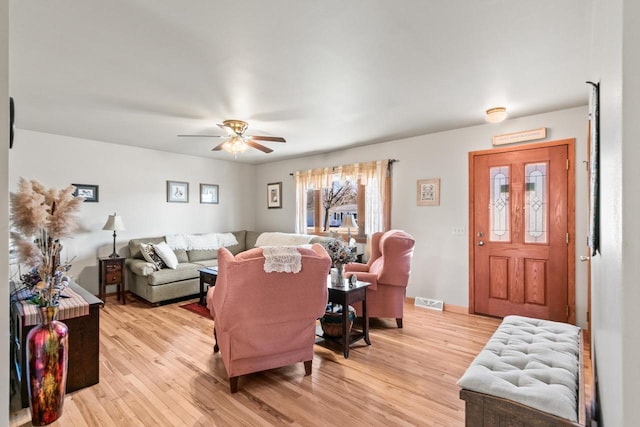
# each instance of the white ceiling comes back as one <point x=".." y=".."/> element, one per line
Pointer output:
<point x="323" y="74"/>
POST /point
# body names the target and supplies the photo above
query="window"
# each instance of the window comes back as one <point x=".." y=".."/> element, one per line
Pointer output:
<point x="335" y="203"/>
<point x="324" y="197"/>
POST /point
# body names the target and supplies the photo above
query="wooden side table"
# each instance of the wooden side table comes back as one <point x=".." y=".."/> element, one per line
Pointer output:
<point x="208" y="276"/>
<point x="346" y="295"/>
<point x="112" y="273"/>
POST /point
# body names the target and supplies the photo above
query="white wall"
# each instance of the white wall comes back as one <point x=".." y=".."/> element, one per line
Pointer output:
<point x="132" y="182"/>
<point x="440" y="265"/>
<point x="615" y="62"/>
<point x="630" y="229"/>
<point x="4" y="214"/>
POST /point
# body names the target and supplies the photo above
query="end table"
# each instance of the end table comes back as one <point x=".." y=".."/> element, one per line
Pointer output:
<point x="208" y="276"/>
<point x="345" y="295"/>
<point x="112" y="273"/>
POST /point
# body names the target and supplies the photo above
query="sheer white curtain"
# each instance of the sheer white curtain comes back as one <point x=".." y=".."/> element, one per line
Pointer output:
<point x="373" y="175"/>
<point x="302" y="183"/>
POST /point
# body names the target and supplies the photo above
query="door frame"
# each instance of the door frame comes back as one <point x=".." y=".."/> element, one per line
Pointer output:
<point x="571" y="220"/>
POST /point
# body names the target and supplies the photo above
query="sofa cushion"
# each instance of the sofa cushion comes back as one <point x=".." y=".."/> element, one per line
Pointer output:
<point x="166" y="254"/>
<point x="184" y="271"/>
<point x="251" y="239"/>
<point x="140" y="267"/>
<point x="134" y="245"/>
<point x="530" y="361"/>
<point x="199" y="255"/>
<point x="240" y="247"/>
<point x="181" y="254"/>
<point x="149" y="253"/>
<point x="207" y="263"/>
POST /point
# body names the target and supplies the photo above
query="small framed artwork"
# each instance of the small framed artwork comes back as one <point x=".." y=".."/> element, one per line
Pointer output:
<point x="209" y="194"/>
<point x="89" y="192"/>
<point x="274" y="195"/>
<point x="429" y="192"/>
<point x="177" y="192"/>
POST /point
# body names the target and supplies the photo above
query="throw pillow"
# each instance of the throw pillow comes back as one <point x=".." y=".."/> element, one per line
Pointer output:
<point x="166" y="254"/>
<point x="151" y="256"/>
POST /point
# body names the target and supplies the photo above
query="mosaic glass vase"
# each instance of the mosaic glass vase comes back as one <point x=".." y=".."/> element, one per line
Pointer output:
<point x="337" y="275"/>
<point x="47" y="354"/>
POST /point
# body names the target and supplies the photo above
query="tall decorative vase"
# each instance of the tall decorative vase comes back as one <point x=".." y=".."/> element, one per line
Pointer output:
<point x="339" y="278"/>
<point x="47" y="353"/>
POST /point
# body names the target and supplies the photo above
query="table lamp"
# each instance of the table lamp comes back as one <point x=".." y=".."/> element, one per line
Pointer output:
<point x="114" y="222"/>
<point x="349" y="222"/>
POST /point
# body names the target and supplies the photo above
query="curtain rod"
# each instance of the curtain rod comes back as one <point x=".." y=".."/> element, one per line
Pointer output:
<point x="391" y="161"/>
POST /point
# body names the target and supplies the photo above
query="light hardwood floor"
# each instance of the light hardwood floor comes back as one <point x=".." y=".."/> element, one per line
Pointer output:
<point x="157" y="368"/>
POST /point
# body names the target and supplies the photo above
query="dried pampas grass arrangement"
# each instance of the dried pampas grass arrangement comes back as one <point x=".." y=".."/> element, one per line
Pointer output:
<point x="41" y="218"/>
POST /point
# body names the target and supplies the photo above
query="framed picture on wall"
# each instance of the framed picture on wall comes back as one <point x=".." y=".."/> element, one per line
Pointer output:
<point x="274" y="195"/>
<point x="177" y="192"/>
<point x="209" y="194"/>
<point x="89" y="192"/>
<point x="428" y="192"/>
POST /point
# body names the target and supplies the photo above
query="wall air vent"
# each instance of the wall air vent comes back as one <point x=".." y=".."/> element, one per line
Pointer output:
<point x="429" y="303"/>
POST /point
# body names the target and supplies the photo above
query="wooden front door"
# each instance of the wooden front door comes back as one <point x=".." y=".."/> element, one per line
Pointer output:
<point x="521" y="231"/>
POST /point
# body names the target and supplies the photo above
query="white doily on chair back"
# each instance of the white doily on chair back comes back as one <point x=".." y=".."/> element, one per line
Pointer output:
<point x="282" y="259"/>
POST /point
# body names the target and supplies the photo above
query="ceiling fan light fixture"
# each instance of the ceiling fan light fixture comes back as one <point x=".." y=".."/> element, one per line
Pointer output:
<point x="496" y="115"/>
<point x="235" y="145"/>
<point x="238" y="126"/>
<point x="236" y="142"/>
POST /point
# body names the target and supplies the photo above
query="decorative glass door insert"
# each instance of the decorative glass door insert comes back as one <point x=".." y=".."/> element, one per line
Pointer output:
<point x="499" y="206"/>
<point x="536" y="203"/>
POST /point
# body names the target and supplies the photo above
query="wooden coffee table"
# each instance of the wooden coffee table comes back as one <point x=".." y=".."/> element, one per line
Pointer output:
<point x="346" y="295"/>
<point x="208" y="276"/>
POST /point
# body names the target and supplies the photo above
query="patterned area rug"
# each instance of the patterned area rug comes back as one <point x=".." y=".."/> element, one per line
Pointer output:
<point x="195" y="307"/>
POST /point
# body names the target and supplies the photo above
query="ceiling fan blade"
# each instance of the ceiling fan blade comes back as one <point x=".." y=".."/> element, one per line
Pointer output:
<point x="268" y="138"/>
<point x="205" y="136"/>
<point x="260" y="147"/>
<point x="218" y="147"/>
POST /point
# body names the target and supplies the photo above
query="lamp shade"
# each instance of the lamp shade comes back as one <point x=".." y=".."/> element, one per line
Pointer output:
<point x="114" y="223"/>
<point x="349" y="222"/>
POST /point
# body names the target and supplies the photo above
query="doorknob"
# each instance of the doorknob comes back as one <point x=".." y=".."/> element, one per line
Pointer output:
<point x="480" y="243"/>
<point x="584" y="258"/>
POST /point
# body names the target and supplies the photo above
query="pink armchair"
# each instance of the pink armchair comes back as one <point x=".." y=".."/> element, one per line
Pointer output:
<point x="266" y="320"/>
<point x="388" y="272"/>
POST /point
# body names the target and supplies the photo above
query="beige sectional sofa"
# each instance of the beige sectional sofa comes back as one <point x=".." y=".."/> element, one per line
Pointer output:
<point x="157" y="286"/>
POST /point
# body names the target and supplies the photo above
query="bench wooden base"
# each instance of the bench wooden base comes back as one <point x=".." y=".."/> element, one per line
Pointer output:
<point x="486" y="410"/>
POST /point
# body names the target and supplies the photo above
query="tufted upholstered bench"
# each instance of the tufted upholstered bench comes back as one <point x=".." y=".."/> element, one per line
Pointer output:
<point x="530" y="373"/>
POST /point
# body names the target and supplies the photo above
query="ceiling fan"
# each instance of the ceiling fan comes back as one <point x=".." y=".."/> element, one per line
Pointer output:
<point x="237" y="141"/>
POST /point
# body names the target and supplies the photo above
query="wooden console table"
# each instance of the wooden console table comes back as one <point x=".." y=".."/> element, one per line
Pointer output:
<point x="84" y="347"/>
